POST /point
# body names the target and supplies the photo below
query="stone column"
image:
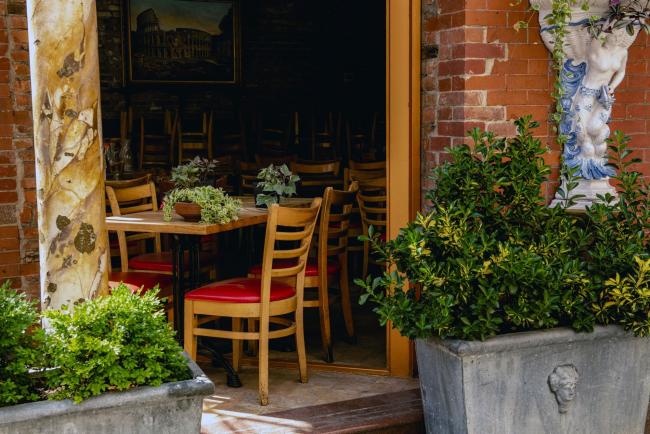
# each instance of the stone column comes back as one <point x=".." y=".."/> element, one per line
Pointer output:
<point x="68" y="148"/>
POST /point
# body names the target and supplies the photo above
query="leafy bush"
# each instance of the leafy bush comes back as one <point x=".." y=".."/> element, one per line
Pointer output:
<point x="275" y="182"/>
<point x="216" y="206"/>
<point x="112" y="343"/>
<point x="19" y="347"/>
<point x="491" y="258"/>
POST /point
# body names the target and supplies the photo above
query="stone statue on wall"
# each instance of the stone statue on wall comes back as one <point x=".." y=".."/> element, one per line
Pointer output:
<point x="593" y="69"/>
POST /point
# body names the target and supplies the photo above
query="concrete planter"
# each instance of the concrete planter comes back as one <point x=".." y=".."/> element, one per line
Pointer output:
<point x="554" y="381"/>
<point x="170" y="408"/>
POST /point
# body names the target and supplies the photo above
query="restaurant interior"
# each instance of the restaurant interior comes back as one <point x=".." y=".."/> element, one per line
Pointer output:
<point x="252" y="83"/>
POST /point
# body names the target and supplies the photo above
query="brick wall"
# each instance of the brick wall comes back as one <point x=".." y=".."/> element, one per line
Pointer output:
<point x="488" y="74"/>
<point x="18" y="228"/>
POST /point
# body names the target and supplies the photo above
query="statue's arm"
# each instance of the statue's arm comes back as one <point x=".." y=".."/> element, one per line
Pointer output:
<point x="619" y="75"/>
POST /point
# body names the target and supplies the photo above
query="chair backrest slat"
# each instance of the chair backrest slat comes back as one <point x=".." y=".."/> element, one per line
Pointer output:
<point x="335" y="222"/>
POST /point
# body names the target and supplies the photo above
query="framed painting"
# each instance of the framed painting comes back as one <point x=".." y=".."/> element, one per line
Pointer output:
<point x="183" y="41"/>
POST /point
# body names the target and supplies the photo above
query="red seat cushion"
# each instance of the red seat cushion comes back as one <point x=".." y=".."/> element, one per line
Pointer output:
<point x="136" y="280"/>
<point x="310" y="271"/>
<point x="240" y="290"/>
<point x="162" y="262"/>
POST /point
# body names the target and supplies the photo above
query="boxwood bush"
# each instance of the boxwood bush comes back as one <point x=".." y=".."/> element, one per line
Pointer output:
<point x="490" y="257"/>
<point x="112" y="343"/>
<point x="20" y="347"/>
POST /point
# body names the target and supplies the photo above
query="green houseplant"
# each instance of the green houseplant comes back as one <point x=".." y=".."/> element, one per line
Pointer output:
<point x="275" y="182"/>
<point x="491" y="262"/>
<point x="196" y="172"/>
<point x="213" y="205"/>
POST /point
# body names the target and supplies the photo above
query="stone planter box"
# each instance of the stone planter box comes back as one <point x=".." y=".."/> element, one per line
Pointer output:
<point x="169" y="408"/>
<point x="554" y="381"/>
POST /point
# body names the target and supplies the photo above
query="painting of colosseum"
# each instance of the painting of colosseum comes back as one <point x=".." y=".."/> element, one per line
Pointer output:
<point x="183" y="41"/>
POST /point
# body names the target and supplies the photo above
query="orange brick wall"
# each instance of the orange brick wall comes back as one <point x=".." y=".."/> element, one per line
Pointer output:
<point x="486" y="74"/>
<point x="18" y="228"/>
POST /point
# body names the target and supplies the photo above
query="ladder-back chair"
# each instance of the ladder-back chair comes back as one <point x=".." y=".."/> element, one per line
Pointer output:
<point x="263" y="299"/>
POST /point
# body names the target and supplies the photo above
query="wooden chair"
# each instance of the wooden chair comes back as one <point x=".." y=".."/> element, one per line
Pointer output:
<point x="317" y="176"/>
<point x="230" y="136"/>
<point x="129" y="200"/>
<point x="372" y="200"/>
<point x="273" y="132"/>
<point x="133" y="247"/>
<point x="157" y="139"/>
<point x="331" y="255"/>
<point x="195" y="142"/>
<point x="372" y="165"/>
<point x="248" y="177"/>
<point x="264" y="300"/>
<point x="360" y="172"/>
<point x="278" y="160"/>
<point x="326" y="136"/>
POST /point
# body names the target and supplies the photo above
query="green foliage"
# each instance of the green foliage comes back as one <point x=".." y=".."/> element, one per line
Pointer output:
<point x="19" y="347"/>
<point x="216" y="206"/>
<point x="490" y="257"/>
<point x="112" y="343"/>
<point x="194" y="173"/>
<point x="275" y="182"/>
<point x="629" y="14"/>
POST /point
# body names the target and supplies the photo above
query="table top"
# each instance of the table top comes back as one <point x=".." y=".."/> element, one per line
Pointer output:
<point x="152" y="221"/>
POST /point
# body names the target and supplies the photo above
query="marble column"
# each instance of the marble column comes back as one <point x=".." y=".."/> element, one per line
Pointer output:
<point x="68" y="147"/>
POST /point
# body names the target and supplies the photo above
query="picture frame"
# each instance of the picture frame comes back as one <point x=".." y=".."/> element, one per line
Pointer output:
<point x="183" y="41"/>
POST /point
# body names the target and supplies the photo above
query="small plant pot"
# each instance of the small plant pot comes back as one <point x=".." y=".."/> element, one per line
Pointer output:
<point x="191" y="212"/>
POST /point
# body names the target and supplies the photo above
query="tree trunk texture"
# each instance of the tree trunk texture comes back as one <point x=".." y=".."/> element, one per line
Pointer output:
<point x="68" y="148"/>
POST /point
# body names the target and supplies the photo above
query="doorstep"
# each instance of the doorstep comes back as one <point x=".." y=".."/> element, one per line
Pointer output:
<point x="389" y="413"/>
<point x="330" y="402"/>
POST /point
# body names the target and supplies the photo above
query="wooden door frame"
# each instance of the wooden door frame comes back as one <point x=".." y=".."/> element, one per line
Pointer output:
<point x="403" y="45"/>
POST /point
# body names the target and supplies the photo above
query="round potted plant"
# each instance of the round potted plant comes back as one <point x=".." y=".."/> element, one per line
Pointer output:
<point x="274" y="183"/>
<point x="194" y="198"/>
<point x="526" y="318"/>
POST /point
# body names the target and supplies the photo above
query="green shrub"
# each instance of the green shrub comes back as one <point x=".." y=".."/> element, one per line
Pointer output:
<point x="112" y="343"/>
<point x="19" y="347"/>
<point x="491" y="258"/>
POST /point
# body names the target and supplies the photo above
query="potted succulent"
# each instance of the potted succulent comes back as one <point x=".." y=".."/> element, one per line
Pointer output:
<point x="526" y="318"/>
<point x="274" y="183"/>
<point x="112" y="365"/>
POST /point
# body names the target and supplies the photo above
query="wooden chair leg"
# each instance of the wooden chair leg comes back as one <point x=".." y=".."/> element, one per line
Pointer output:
<point x="236" y="344"/>
<point x="189" y="337"/>
<point x="252" y="344"/>
<point x="264" y="362"/>
<point x="325" y="327"/>
<point x="345" y="296"/>
<point x="300" y="345"/>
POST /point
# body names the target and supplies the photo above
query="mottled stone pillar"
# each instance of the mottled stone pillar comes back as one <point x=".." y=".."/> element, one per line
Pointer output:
<point x="67" y="141"/>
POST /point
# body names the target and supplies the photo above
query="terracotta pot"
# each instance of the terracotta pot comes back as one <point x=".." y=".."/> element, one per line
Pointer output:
<point x="189" y="211"/>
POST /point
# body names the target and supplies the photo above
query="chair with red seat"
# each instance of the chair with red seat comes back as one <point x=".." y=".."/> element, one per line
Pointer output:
<point x="262" y="299"/>
<point x="332" y="255"/>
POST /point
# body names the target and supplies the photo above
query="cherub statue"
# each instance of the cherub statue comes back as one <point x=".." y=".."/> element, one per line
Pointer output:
<point x="594" y="66"/>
